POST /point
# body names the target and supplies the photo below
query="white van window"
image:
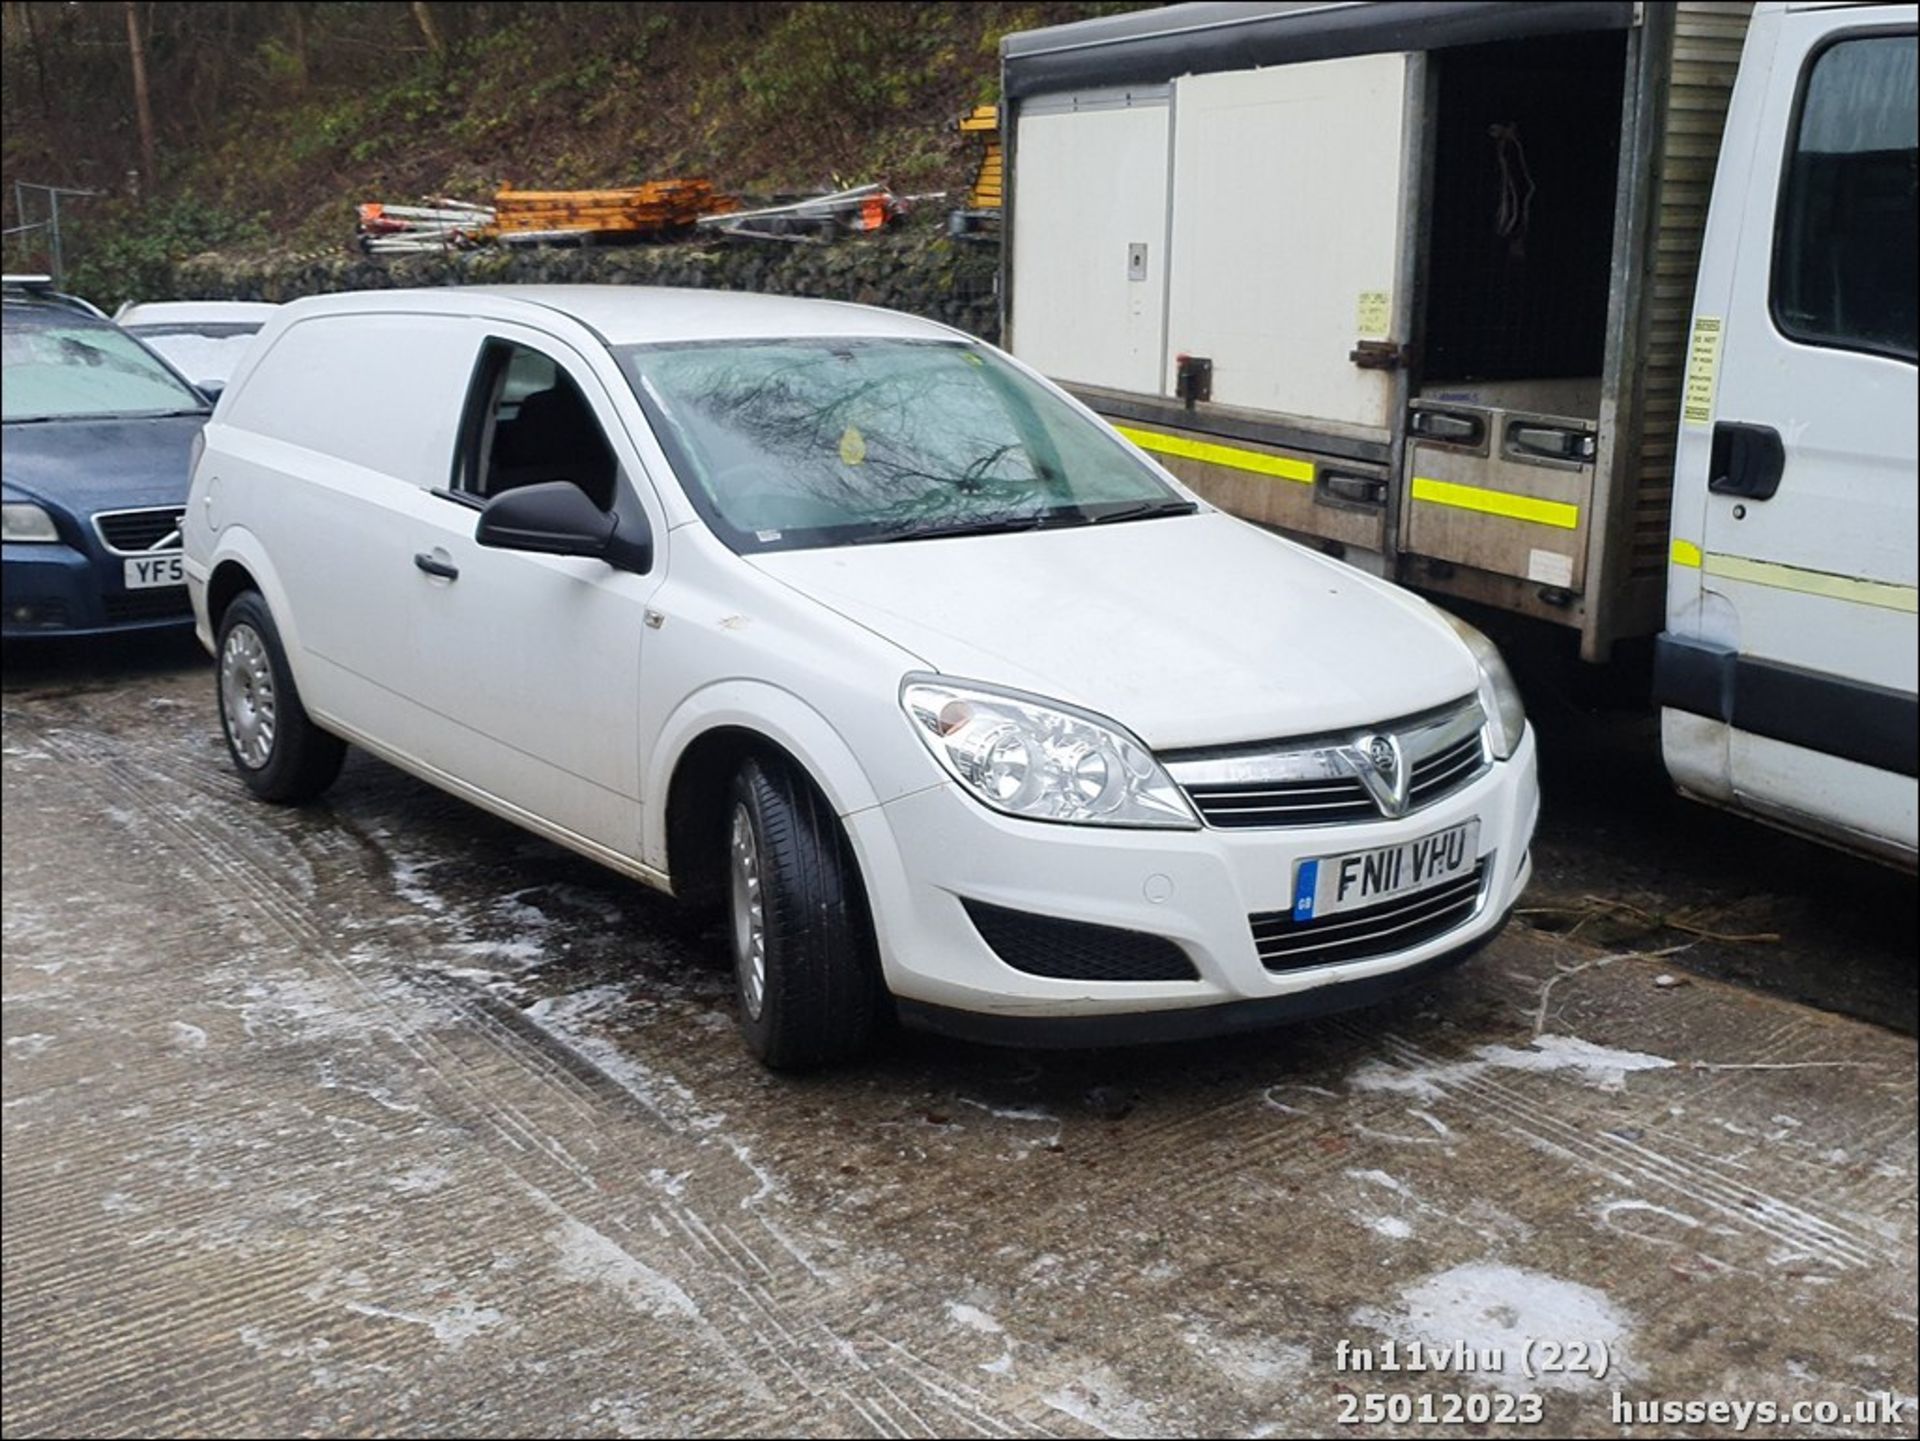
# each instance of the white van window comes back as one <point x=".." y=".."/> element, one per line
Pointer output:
<point x="1843" y="271"/>
<point x="527" y="423"/>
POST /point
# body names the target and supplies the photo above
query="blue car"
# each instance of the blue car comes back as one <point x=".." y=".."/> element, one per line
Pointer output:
<point x="98" y="437"/>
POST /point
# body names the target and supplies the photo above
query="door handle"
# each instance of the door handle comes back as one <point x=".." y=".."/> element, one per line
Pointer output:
<point x="440" y="568"/>
<point x="1747" y="460"/>
<point x="1550" y="442"/>
<point x="1447" y="427"/>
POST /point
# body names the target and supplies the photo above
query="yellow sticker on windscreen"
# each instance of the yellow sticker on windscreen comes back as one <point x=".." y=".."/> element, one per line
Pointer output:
<point x="853" y="446"/>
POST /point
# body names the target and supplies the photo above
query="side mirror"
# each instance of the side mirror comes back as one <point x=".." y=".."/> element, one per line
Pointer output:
<point x="557" y="518"/>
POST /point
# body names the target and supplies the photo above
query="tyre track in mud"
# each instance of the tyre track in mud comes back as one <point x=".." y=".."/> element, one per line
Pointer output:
<point x="768" y="1316"/>
<point x="632" y="1178"/>
<point x="1637" y="1165"/>
<point x="1297" y="1151"/>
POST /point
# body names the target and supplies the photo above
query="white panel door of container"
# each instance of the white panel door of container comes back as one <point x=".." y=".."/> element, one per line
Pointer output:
<point x="1286" y="233"/>
<point x="1090" y="225"/>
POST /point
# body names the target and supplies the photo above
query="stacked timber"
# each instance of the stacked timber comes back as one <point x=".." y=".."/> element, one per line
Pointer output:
<point x="655" y="208"/>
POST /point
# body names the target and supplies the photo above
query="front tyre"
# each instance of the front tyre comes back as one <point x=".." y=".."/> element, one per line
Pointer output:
<point x="803" y="962"/>
<point x="278" y="750"/>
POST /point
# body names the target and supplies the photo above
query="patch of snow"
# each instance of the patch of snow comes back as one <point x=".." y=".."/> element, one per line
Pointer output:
<point x="1010" y="1113"/>
<point x="1609" y="1209"/>
<point x="1601" y="1066"/>
<point x="744" y="1155"/>
<point x="1097" y="1402"/>
<point x="674" y="1185"/>
<point x="408" y="882"/>
<point x="419" y="1180"/>
<point x="587" y="1255"/>
<point x="1390" y="1226"/>
<point x="973" y="1318"/>
<point x="1488" y="1306"/>
<point x="568" y="1019"/>
<point x="1381" y="1178"/>
<point x="453" y="1327"/>
<point x="520" y="955"/>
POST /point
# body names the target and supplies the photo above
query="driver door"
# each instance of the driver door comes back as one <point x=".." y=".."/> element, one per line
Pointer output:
<point x="533" y="661"/>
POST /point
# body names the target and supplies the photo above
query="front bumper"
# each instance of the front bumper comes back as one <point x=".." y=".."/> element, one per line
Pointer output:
<point x="52" y="590"/>
<point x="922" y="854"/>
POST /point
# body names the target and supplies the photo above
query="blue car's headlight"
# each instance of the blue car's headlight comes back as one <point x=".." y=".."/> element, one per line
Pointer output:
<point x="22" y="520"/>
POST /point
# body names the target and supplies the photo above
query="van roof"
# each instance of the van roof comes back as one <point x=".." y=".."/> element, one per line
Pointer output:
<point x="1152" y="47"/>
<point x="636" y="314"/>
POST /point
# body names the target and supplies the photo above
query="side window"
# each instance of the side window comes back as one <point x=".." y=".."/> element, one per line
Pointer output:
<point x="1843" y="270"/>
<point x="527" y="423"/>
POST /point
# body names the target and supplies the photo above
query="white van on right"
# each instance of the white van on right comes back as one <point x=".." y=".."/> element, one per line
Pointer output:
<point x="1786" y="675"/>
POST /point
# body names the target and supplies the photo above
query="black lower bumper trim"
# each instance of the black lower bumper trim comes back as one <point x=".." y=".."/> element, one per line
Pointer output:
<point x="1855" y="720"/>
<point x="1139" y="1028"/>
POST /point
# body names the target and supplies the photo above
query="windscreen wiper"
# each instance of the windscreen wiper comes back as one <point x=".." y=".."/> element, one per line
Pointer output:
<point x="997" y="526"/>
<point x="1145" y="510"/>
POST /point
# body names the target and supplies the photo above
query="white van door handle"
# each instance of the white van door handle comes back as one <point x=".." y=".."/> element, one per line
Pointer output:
<point x="444" y="569"/>
<point x="1746" y="460"/>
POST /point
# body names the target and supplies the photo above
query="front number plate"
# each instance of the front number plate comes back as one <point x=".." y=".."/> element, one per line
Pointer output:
<point x="145" y="572"/>
<point x="1330" y="884"/>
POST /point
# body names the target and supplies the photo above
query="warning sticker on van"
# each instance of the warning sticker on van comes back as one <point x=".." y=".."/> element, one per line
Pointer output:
<point x="1703" y="369"/>
<point x="1373" y="317"/>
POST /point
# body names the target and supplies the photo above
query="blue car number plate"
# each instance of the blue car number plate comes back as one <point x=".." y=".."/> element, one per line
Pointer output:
<point x="146" y="572"/>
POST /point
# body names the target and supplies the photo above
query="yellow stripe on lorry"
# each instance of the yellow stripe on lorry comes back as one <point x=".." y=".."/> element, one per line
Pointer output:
<point x="1281" y="467"/>
<point x="1530" y="508"/>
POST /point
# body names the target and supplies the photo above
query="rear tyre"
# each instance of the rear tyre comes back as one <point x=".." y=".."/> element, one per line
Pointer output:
<point x="803" y="960"/>
<point x="278" y="750"/>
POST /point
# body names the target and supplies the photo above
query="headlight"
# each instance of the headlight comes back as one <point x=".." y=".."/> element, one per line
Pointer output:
<point x="22" y="520"/>
<point x="1499" y="696"/>
<point x="1040" y="759"/>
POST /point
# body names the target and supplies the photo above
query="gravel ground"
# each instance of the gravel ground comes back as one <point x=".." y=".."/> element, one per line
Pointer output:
<point x="384" y="1116"/>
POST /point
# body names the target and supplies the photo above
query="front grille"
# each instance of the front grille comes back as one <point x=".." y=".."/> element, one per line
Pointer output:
<point x="169" y="603"/>
<point x="1445" y="771"/>
<point x="1394" y="925"/>
<point x="1284" y="803"/>
<point x="1075" y="951"/>
<point x="137" y="530"/>
<point x="1332" y="779"/>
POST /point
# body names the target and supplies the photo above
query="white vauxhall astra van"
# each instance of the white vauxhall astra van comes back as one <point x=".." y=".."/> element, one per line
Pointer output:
<point x="855" y="627"/>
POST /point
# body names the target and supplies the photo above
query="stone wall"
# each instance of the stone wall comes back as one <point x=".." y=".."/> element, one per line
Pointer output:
<point x="918" y="269"/>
